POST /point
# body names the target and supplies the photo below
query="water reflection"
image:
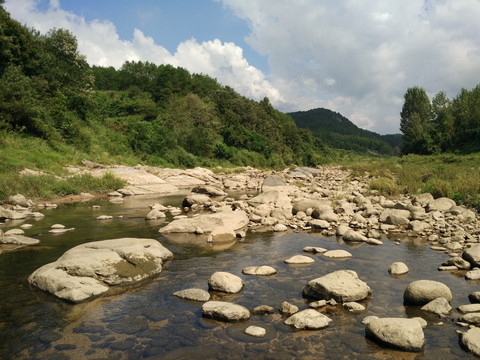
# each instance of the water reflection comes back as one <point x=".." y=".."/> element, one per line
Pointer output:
<point x="149" y="322"/>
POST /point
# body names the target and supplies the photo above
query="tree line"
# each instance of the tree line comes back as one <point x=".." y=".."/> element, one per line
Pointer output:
<point x="157" y="113"/>
<point x="440" y="125"/>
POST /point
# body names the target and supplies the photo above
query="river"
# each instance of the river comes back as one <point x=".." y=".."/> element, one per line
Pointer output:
<point x="148" y="322"/>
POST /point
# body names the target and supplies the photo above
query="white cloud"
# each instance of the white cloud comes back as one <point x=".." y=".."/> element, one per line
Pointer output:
<point x="101" y="44"/>
<point x="372" y="51"/>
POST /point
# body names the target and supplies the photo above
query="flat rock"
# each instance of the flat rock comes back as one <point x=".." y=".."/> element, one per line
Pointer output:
<point x="464" y="309"/>
<point x="317" y="304"/>
<point x="314" y="249"/>
<point x="208" y="190"/>
<point x="14" y="232"/>
<point x="299" y="259"/>
<point x="337" y="254"/>
<point x="342" y="286"/>
<point x="104" y="217"/>
<point x="354" y="236"/>
<point x="232" y="219"/>
<point x="440" y="204"/>
<point x="263" y="270"/>
<point x="353" y="306"/>
<point x="255" y="331"/>
<point x="458" y="262"/>
<point x="193" y="294"/>
<point x="308" y="319"/>
<point x="473" y="274"/>
<point x="421" y="292"/>
<point x="225" y="282"/>
<point x="225" y="311"/>
<point x="18" y="240"/>
<point x="96" y="268"/>
<point x="398" y="333"/>
<point x="471" y="318"/>
<point x="221" y="234"/>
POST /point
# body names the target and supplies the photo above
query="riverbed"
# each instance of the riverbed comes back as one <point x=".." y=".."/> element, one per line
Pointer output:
<point x="149" y="322"/>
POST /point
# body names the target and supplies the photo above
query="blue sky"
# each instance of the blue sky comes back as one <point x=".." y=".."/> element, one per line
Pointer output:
<point x="354" y="57"/>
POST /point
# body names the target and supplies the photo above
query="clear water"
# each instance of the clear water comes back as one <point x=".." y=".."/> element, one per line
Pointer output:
<point x="148" y="322"/>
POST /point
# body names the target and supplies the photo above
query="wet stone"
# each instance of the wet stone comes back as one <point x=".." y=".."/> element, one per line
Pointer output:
<point x="255" y="331"/>
<point x="263" y="310"/>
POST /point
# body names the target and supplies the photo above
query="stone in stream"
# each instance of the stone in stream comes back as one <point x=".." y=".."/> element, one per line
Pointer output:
<point x="263" y="270"/>
<point x="193" y="294"/>
<point x="287" y="309"/>
<point x="473" y="274"/>
<point x="398" y="333"/>
<point x="299" y="259"/>
<point x="263" y="310"/>
<point x="342" y="286"/>
<point x="18" y="240"/>
<point x="314" y="249"/>
<point x="99" y="267"/>
<point x="472" y="255"/>
<point x="458" y="262"/>
<point x="470" y="341"/>
<point x="337" y="254"/>
<point x="353" y="306"/>
<point x="471" y="318"/>
<point x="255" y="331"/>
<point x="464" y="309"/>
<point x="421" y="292"/>
<point x="225" y="282"/>
<point x="439" y="306"/>
<point x="14" y="232"/>
<point x="225" y="311"/>
<point x="354" y="236"/>
<point x="398" y="268"/>
<point x="474" y="297"/>
<point x="308" y="319"/>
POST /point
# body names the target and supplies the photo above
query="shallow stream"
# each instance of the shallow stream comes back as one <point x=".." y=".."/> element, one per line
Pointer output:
<point x="148" y="322"/>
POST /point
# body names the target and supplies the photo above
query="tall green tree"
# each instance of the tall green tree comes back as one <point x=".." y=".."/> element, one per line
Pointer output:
<point x="415" y="122"/>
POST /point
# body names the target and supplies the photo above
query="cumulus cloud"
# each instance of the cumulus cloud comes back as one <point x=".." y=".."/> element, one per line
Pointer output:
<point x="100" y="42"/>
<point x="359" y="58"/>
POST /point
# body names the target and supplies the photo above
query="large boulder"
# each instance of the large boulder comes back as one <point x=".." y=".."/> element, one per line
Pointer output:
<point x="232" y="219"/>
<point x="208" y="190"/>
<point x="342" y="286"/>
<point x="421" y="292"/>
<point x="398" y="333"/>
<point x="96" y="268"/>
<point x="15" y="239"/>
<point x="225" y="311"/>
<point x="309" y="319"/>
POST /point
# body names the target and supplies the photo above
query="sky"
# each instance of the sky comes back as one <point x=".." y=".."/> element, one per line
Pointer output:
<point x="355" y="57"/>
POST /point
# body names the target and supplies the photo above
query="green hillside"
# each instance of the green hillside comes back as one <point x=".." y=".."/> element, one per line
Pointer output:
<point x="142" y="112"/>
<point x="338" y="132"/>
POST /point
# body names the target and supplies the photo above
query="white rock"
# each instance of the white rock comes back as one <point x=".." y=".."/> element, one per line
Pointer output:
<point x="299" y="259"/>
<point x="337" y="254"/>
<point x="263" y="270"/>
<point x="398" y="268"/>
<point x="193" y="294"/>
<point x="225" y="282"/>
<point x="255" y="331"/>
<point x="439" y="306"/>
<point x="471" y="340"/>
<point x="225" y="311"/>
<point x="403" y="334"/>
<point x="309" y="319"/>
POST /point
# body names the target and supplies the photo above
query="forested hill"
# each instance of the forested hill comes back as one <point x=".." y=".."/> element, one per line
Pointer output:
<point x="157" y="114"/>
<point x="337" y="131"/>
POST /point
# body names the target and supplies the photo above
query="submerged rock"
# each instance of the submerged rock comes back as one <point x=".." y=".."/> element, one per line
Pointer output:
<point x="225" y="311"/>
<point x="308" y="319"/>
<point x="94" y="268"/>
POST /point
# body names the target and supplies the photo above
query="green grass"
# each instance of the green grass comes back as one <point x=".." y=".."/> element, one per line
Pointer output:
<point x="449" y="175"/>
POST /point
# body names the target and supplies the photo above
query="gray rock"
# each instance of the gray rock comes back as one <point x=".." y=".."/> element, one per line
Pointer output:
<point x="474" y="297"/>
<point x="402" y="334"/>
<point x="314" y="249"/>
<point x="232" y="219"/>
<point x="225" y="282"/>
<point x="458" y="262"/>
<point x="464" y="309"/>
<point x="319" y="224"/>
<point x="197" y="199"/>
<point x="208" y="190"/>
<point x="419" y="226"/>
<point x="337" y="254"/>
<point x="287" y="309"/>
<point x="342" y="229"/>
<point x="398" y="268"/>
<point x="225" y="311"/>
<point x="299" y="259"/>
<point x="309" y="319"/>
<point x="397" y="216"/>
<point x="263" y="270"/>
<point x="14" y="232"/>
<point x="18" y="240"/>
<point x="471" y="341"/>
<point x="12" y="215"/>
<point x="421" y="292"/>
<point x="440" y="204"/>
<point x="354" y="236"/>
<point x="473" y="274"/>
<point x="193" y="294"/>
<point x="99" y="267"/>
<point x="273" y="181"/>
<point x="317" y="304"/>
<point x="439" y="306"/>
<point x="423" y="199"/>
<point x="19" y="200"/>
<point x="471" y="318"/>
<point x="472" y="255"/>
<point x="305" y="204"/>
<point x="353" y="306"/>
<point x="256" y="331"/>
<point x="342" y="286"/>
<point x="263" y="310"/>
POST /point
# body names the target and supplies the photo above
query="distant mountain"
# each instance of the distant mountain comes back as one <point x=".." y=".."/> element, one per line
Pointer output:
<point x="338" y="132"/>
